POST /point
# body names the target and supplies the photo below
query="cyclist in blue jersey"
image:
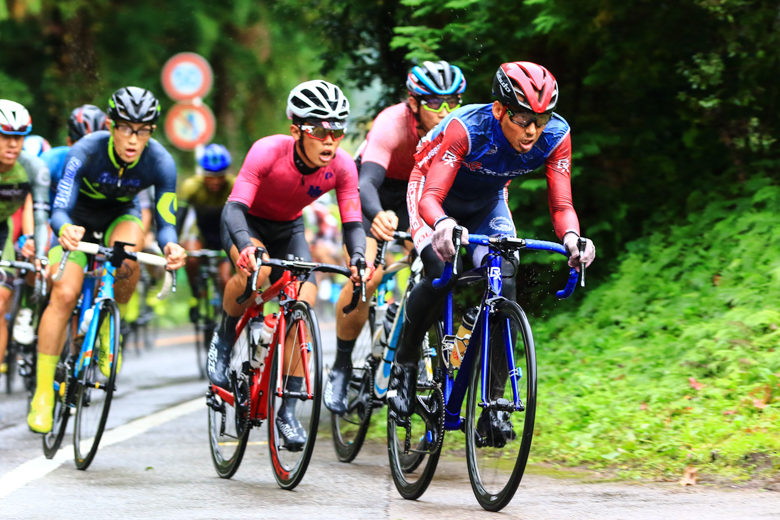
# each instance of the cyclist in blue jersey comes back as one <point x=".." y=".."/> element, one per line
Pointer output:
<point x="82" y="121"/>
<point x="95" y="202"/>
<point x="462" y="170"/>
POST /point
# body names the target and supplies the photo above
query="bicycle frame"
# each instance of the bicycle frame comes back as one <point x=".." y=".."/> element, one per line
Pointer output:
<point x="288" y="287"/>
<point x="105" y="292"/>
<point x="455" y="389"/>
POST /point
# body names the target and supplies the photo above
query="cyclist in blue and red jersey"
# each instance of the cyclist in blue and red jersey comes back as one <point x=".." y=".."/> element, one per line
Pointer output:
<point x="462" y="169"/>
<point x="280" y="176"/>
<point x="386" y="161"/>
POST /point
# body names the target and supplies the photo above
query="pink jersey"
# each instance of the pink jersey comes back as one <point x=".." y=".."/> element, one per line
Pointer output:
<point x="273" y="188"/>
<point x="392" y="141"/>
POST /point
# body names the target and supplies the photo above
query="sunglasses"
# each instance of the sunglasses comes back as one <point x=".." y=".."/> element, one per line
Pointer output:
<point x="320" y="133"/>
<point x="10" y="130"/>
<point x="127" y="131"/>
<point x="526" y="117"/>
<point x="437" y="104"/>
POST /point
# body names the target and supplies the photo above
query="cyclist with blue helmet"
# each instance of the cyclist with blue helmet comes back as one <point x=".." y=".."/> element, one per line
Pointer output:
<point x="205" y="196"/>
<point x="386" y="160"/>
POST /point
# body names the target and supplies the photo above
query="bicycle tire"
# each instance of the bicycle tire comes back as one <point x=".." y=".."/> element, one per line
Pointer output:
<point x="226" y="464"/>
<point x="61" y="412"/>
<point x="403" y="465"/>
<point x="85" y="454"/>
<point x="12" y="348"/>
<point x="288" y="473"/>
<point x="497" y="498"/>
<point x="348" y="440"/>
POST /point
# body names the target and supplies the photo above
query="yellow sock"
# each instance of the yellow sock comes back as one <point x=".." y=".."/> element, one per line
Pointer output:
<point x="47" y="365"/>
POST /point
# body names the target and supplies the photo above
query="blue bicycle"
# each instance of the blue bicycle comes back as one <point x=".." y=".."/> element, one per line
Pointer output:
<point x="83" y="381"/>
<point x="499" y="373"/>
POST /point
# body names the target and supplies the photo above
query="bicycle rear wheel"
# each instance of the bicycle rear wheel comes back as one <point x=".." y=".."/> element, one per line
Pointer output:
<point x="349" y="430"/>
<point x="95" y="390"/>
<point x="229" y="423"/>
<point x="63" y="395"/>
<point x="290" y="463"/>
<point x="414" y="445"/>
<point x="498" y="437"/>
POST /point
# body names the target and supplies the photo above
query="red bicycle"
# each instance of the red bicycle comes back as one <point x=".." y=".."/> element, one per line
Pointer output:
<point x="291" y="340"/>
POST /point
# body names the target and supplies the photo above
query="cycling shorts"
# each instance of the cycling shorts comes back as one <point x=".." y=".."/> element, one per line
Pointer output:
<point x="484" y="216"/>
<point x="280" y="238"/>
<point x="392" y="195"/>
<point x="98" y="226"/>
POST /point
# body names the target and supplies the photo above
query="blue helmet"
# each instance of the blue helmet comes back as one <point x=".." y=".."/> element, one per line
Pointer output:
<point x="215" y="159"/>
<point x="436" y="79"/>
<point x="35" y="145"/>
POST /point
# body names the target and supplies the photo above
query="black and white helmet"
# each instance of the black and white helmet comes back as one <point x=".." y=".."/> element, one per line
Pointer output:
<point x="133" y="104"/>
<point x="14" y="118"/>
<point x="318" y="99"/>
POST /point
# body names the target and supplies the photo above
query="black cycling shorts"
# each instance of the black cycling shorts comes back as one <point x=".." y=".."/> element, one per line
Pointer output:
<point x="280" y="238"/>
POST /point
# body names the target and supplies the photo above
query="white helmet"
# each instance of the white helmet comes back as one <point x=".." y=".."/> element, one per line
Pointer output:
<point x="318" y="99"/>
<point x="14" y="118"/>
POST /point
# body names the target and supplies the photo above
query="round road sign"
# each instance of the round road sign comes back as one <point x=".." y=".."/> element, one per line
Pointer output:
<point x="187" y="126"/>
<point x="187" y="76"/>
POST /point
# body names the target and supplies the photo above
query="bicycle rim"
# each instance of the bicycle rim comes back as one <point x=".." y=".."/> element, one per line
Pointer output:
<point x="290" y="465"/>
<point x="349" y="430"/>
<point x="228" y="424"/>
<point x="497" y="457"/>
<point x="61" y="413"/>
<point x="94" y="393"/>
<point x="414" y="446"/>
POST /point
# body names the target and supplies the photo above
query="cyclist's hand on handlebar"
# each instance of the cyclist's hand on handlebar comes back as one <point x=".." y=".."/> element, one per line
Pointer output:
<point x="28" y="249"/>
<point x="70" y="237"/>
<point x="571" y="242"/>
<point x="442" y="239"/>
<point x="384" y="224"/>
<point x="246" y="260"/>
<point x="175" y="256"/>
<point x="355" y="277"/>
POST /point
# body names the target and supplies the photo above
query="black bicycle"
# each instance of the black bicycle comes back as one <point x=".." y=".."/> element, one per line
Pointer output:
<point x="208" y="311"/>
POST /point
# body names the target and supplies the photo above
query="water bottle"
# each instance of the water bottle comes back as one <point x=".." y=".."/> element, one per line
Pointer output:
<point x="262" y="334"/>
<point x="463" y="336"/>
<point x="387" y="327"/>
<point x="85" y="322"/>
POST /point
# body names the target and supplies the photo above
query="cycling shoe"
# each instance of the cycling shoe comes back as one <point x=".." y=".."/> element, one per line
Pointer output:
<point x="495" y="428"/>
<point x="290" y="428"/>
<point x="336" y="390"/>
<point x="402" y="390"/>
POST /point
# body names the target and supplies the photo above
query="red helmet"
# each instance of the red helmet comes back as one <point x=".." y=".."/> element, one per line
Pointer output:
<point x="525" y="84"/>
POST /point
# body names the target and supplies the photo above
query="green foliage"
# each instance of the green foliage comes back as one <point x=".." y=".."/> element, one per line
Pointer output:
<point x="674" y="360"/>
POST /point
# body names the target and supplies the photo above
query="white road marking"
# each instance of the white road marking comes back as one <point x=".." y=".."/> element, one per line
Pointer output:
<point x="41" y="466"/>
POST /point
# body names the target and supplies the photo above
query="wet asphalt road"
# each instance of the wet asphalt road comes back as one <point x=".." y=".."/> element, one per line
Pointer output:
<point x="155" y="463"/>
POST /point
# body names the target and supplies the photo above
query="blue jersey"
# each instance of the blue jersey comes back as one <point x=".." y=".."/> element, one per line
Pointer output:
<point x="489" y="162"/>
<point x="55" y="160"/>
<point x="95" y="179"/>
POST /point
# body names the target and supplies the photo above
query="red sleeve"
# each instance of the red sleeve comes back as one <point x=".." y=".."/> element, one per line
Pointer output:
<point x="453" y="147"/>
<point x="558" y="165"/>
<point x="382" y="141"/>
<point x="248" y="180"/>
<point x="347" y="193"/>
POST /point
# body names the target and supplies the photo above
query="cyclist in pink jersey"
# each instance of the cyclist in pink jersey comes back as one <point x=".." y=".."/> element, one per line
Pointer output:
<point x="386" y="161"/>
<point x="280" y="176"/>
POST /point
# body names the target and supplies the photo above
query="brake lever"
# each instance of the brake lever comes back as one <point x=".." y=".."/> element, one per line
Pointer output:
<point x="582" y="244"/>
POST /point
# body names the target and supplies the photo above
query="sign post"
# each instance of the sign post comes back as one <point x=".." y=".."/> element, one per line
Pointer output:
<point x="189" y="125"/>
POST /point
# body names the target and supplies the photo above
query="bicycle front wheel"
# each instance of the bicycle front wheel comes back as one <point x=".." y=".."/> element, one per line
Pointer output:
<point x="499" y="431"/>
<point x="297" y="412"/>
<point x="63" y="394"/>
<point x="414" y="444"/>
<point x="96" y="388"/>
<point x="229" y="423"/>
<point x="349" y="430"/>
